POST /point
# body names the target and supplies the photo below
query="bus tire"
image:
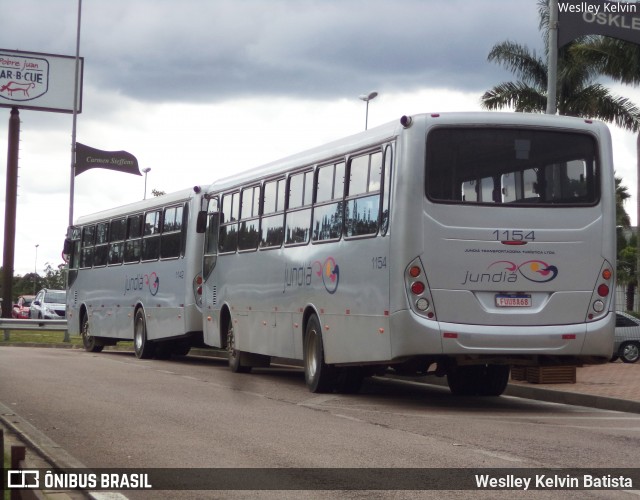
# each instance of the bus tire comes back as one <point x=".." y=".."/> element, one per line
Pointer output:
<point x="89" y="342"/>
<point x="143" y="348"/>
<point x="349" y="380"/>
<point x="318" y="376"/>
<point x="462" y="380"/>
<point x="494" y="380"/>
<point x="478" y="380"/>
<point x="181" y="348"/>
<point x="235" y="356"/>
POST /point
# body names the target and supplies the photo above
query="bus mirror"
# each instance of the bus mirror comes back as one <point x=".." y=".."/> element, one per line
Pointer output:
<point x="67" y="249"/>
<point x="201" y="224"/>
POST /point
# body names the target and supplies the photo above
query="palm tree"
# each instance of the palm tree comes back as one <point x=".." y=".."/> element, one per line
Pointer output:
<point x="622" y="194"/>
<point x="578" y="94"/>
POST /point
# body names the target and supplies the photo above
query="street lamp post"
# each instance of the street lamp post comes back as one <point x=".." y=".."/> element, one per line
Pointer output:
<point x="146" y="171"/>
<point x="366" y="98"/>
<point x="35" y="272"/>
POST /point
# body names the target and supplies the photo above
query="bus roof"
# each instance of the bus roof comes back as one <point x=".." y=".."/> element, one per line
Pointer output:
<point x="140" y="206"/>
<point x="387" y="131"/>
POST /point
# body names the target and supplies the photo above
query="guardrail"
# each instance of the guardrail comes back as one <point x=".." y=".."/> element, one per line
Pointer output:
<point x="7" y="325"/>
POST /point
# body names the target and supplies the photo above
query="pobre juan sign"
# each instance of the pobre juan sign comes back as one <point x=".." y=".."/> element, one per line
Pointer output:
<point x="45" y="82"/>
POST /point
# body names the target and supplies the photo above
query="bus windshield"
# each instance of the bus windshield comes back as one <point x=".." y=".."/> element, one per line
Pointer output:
<point x="511" y="166"/>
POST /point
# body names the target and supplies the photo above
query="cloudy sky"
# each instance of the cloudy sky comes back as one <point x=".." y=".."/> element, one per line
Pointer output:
<point x="199" y="89"/>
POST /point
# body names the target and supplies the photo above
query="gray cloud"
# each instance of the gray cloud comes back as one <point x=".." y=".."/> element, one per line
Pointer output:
<point x="197" y="50"/>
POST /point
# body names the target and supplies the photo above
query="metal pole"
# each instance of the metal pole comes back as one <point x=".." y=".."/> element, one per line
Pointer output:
<point x="552" y="58"/>
<point x="35" y="273"/>
<point x="76" y="91"/>
<point x="638" y="220"/>
<point x="10" y="212"/>
<point x="366" y="116"/>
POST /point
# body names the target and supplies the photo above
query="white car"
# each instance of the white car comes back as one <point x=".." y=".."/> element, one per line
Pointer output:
<point x="626" y="345"/>
<point x="49" y="304"/>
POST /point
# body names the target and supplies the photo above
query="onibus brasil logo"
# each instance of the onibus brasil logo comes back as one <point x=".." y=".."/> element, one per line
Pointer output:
<point x="505" y="271"/>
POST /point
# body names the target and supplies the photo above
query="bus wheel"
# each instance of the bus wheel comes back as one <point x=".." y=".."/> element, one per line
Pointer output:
<point x="478" y="380"/>
<point x="494" y="380"/>
<point x="349" y="380"/>
<point x="89" y="341"/>
<point x="181" y="348"/>
<point x="235" y="356"/>
<point x="143" y="347"/>
<point x="319" y="376"/>
<point x="462" y="380"/>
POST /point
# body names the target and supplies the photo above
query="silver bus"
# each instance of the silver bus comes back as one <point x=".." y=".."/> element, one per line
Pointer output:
<point x="454" y="244"/>
<point x="134" y="273"/>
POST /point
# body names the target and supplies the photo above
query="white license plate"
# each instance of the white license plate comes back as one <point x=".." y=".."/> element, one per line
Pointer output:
<point x="513" y="301"/>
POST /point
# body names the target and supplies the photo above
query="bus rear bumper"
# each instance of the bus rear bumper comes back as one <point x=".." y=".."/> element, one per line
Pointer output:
<point x="417" y="336"/>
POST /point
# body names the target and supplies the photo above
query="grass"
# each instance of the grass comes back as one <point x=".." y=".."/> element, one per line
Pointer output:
<point x="39" y="337"/>
<point x="48" y="337"/>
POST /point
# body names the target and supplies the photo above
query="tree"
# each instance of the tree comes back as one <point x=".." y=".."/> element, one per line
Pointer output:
<point x="622" y="195"/>
<point x="578" y="94"/>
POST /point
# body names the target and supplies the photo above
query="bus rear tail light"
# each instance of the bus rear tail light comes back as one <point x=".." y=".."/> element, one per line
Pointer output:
<point x="420" y="299"/>
<point x="601" y="297"/>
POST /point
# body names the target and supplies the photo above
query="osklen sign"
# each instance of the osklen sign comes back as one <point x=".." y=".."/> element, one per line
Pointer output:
<point x="44" y="82"/>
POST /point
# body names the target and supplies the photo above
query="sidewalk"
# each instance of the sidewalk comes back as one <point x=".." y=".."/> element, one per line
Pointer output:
<point x="611" y="386"/>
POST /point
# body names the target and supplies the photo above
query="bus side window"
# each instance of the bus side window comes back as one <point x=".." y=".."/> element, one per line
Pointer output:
<point x="248" y="234"/>
<point x="298" y="221"/>
<point x="171" y="233"/>
<point x="87" y="242"/>
<point x="133" y="243"/>
<point x="328" y="207"/>
<point x="272" y="224"/>
<point x="362" y="213"/>
<point x="386" y="191"/>
<point x="101" y="248"/>
<point x="151" y="235"/>
<point x="117" y="234"/>
<point x="228" y="236"/>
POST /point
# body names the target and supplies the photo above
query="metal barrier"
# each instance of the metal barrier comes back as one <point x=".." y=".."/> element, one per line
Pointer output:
<point x="33" y="324"/>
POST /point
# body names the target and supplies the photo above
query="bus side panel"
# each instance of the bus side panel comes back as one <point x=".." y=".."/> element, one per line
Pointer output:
<point x="355" y="308"/>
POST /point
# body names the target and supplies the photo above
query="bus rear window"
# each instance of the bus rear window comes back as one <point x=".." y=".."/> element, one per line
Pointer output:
<point x="511" y="166"/>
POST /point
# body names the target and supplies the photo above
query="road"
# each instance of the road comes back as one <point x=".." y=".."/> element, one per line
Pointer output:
<point x="113" y="410"/>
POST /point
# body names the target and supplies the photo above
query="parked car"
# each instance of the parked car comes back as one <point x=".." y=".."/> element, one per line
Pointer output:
<point x="626" y="345"/>
<point x="49" y="304"/>
<point x="20" y="309"/>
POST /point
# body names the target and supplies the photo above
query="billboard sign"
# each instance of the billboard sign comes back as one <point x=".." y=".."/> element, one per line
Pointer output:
<point x="619" y="20"/>
<point x="43" y="82"/>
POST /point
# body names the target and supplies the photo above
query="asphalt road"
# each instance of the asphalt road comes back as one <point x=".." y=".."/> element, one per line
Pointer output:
<point x="113" y="410"/>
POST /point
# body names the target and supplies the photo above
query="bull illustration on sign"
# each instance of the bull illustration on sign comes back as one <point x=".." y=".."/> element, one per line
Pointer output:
<point x="12" y="87"/>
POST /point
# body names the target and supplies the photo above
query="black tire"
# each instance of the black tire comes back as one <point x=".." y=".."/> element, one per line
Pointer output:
<point x="235" y="356"/>
<point x="89" y="342"/>
<point x="478" y="380"/>
<point x="349" y="380"/>
<point x="319" y="376"/>
<point x="630" y="352"/>
<point x="494" y="380"/>
<point x="163" y="350"/>
<point x="463" y="380"/>
<point x="143" y="348"/>
<point x="181" y="348"/>
<point x="614" y="358"/>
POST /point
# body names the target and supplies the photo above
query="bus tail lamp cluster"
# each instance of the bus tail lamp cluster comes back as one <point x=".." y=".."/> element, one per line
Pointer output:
<point x="418" y="290"/>
<point x="197" y="289"/>
<point x="601" y="297"/>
